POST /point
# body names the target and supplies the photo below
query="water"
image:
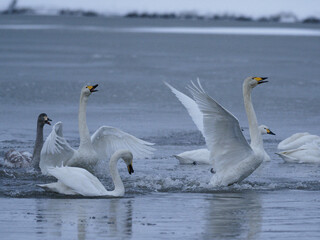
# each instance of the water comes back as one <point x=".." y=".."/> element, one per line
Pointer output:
<point x="43" y="69"/>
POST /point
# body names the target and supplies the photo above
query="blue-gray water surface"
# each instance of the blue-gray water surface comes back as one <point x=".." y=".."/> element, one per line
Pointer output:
<point x="45" y="61"/>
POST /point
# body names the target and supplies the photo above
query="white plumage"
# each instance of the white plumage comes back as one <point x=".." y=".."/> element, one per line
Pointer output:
<point x="78" y="181"/>
<point x="233" y="158"/>
<point x="104" y="142"/>
<point x="202" y="156"/>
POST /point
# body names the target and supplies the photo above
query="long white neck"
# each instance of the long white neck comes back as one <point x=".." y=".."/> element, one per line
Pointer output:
<point x="118" y="184"/>
<point x="255" y="135"/>
<point x="82" y="118"/>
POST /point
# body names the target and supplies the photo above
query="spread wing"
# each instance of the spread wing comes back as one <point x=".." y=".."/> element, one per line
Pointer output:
<point x="79" y="180"/>
<point x="56" y="150"/>
<point x="191" y="106"/>
<point x="222" y="131"/>
<point x="106" y="140"/>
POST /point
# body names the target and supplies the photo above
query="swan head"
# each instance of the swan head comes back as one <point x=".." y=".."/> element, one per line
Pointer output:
<point x="127" y="157"/>
<point x="254" y="81"/>
<point x="265" y="130"/>
<point x="88" y="89"/>
<point x="43" y="119"/>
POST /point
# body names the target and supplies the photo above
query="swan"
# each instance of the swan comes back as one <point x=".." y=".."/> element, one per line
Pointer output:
<point x="202" y="156"/>
<point x="78" y="181"/>
<point x="307" y="153"/>
<point x="297" y="140"/>
<point x="100" y="146"/>
<point x="234" y="158"/>
<point x="17" y="159"/>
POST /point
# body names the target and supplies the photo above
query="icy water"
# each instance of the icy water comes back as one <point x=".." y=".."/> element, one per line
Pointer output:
<point x="45" y="61"/>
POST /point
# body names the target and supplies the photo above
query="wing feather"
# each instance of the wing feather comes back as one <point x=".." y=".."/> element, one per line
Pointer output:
<point x="190" y="105"/>
<point x="107" y="140"/>
<point x="222" y="131"/>
<point x="79" y="180"/>
<point x="56" y="150"/>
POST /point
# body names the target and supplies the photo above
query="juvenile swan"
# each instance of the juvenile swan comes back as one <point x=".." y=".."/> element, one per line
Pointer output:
<point x="16" y="159"/>
<point x="234" y="159"/>
<point x="202" y="156"/>
<point x="78" y="181"/>
<point x="102" y="144"/>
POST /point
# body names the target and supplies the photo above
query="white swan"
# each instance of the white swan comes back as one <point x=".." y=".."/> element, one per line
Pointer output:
<point x="297" y="140"/>
<point x="202" y="156"/>
<point x="307" y="153"/>
<point x="78" y="181"/>
<point x="17" y="159"/>
<point x="102" y="144"/>
<point x="234" y="158"/>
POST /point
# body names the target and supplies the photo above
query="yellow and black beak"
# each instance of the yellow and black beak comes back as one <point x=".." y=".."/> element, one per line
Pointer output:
<point x="130" y="169"/>
<point x="270" y="132"/>
<point x="47" y="120"/>
<point x="93" y="88"/>
<point x="261" y="79"/>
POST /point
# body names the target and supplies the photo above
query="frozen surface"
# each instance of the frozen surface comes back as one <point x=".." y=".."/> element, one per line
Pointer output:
<point x="43" y="69"/>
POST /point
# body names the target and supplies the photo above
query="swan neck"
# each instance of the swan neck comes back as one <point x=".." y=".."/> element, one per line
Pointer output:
<point x="118" y="184"/>
<point x="255" y="135"/>
<point x="38" y="146"/>
<point x="82" y="119"/>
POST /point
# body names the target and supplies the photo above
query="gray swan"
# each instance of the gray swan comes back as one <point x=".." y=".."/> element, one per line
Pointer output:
<point x="17" y="159"/>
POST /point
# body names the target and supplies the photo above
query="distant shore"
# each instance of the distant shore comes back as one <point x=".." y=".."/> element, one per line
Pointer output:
<point x="282" y="17"/>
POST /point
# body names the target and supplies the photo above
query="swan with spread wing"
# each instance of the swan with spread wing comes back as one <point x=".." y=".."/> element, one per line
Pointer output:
<point x="202" y="156"/>
<point x="100" y="146"/>
<point x="233" y="158"/>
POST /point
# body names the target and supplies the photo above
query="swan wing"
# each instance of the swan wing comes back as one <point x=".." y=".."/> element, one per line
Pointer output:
<point x="190" y="105"/>
<point x="107" y="140"/>
<point x="56" y="150"/>
<point x="222" y="131"/>
<point x="78" y="180"/>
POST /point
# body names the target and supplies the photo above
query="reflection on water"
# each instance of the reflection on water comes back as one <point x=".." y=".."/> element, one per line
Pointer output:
<point x="234" y="215"/>
<point x="221" y="215"/>
<point x="83" y="218"/>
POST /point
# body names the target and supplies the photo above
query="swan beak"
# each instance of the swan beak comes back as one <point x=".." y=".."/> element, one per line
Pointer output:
<point x="93" y="88"/>
<point x="270" y="132"/>
<point x="261" y="79"/>
<point x="130" y="169"/>
<point x="47" y="120"/>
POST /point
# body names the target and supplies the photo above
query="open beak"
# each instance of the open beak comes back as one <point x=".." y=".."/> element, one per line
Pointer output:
<point x="130" y="169"/>
<point x="270" y="132"/>
<point x="47" y="121"/>
<point x="261" y="79"/>
<point x="93" y="88"/>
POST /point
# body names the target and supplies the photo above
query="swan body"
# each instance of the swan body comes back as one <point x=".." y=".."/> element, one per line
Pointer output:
<point x="307" y="153"/>
<point x="197" y="156"/>
<point x="234" y="159"/>
<point x="202" y="156"/>
<point x="19" y="159"/>
<point x="78" y="181"/>
<point x="297" y="140"/>
<point x="100" y="146"/>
